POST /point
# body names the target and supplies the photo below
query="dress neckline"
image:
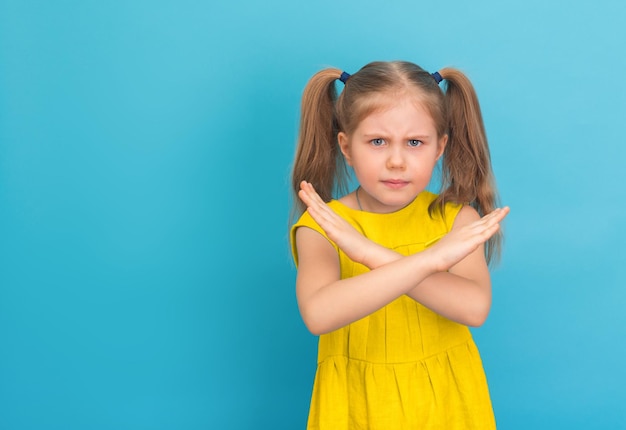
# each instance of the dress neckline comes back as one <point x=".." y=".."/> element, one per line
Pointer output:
<point x="379" y="214"/>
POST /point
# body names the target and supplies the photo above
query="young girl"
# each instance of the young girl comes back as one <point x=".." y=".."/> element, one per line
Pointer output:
<point x="390" y="275"/>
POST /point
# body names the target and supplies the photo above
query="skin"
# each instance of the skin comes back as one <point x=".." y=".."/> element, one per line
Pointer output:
<point x="393" y="152"/>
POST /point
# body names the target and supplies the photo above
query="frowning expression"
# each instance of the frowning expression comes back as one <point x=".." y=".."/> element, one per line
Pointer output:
<point x="393" y="152"/>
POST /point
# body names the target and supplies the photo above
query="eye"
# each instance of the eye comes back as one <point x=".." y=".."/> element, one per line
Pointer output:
<point x="377" y="142"/>
<point x="415" y="142"/>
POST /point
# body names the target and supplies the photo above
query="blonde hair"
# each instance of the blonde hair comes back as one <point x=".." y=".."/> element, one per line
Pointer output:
<point x="467" y="176"/>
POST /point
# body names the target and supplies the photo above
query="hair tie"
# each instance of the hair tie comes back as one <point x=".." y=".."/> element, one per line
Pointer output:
<point x="437" y="77"/>
<point x="344" y="77"/>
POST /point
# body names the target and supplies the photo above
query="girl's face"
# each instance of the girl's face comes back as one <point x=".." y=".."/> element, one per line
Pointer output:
<point x="393" y="152"/>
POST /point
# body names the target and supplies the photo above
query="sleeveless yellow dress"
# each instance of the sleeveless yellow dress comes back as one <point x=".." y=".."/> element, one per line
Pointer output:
<point x="404" y="366"/>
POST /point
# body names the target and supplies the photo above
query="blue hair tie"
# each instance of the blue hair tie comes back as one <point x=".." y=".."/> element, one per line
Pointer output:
<point x="437" y="77"/>
<point x="344" y="77"/>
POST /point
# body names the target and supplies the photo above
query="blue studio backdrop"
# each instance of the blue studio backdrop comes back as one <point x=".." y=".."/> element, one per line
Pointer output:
<point x="145" y="147"/>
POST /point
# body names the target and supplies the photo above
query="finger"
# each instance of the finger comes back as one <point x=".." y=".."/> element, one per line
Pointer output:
<point x="499" y="213"/>
<point x="314" y="194"/>
<point x="314" y="200"/>
<point x="316" y="207"/>
<point x="486" y="234"/>
<point x="485" y="227"/>
<point x="495" y="216"/>
<point x="305" y="197"/>
<point x="309" y="193"/>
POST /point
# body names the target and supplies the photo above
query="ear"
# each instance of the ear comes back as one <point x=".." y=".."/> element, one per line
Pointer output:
<point x="344" y="146"/>
<point x="442" y="145"/>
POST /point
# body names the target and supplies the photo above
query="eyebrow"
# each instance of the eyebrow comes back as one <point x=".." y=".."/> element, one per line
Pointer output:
<point x="410" y="136"/>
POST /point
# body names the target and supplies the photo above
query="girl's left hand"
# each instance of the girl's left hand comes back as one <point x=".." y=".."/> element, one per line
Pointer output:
<point x="346" y="237"/>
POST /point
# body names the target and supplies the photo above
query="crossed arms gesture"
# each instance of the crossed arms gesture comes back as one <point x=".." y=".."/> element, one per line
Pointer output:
<point x="451" y="277"/>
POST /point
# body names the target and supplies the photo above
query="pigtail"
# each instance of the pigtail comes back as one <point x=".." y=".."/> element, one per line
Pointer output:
<point x="318" y="159"/>
<point x="466" y="164"/>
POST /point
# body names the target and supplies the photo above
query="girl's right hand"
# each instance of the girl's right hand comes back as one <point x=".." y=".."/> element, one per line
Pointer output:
<point x="346" y="237"/>
<point x="461" y="242"/>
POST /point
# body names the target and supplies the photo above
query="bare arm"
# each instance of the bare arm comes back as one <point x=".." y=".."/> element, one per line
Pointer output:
<point x="327" y="302"/>
<point x="463" y="293"/>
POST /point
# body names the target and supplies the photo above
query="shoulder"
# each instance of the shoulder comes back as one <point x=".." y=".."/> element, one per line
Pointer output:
<point x="465" y="215"/>
<point x="306" y="220"/>
<point x="449" y="213"/>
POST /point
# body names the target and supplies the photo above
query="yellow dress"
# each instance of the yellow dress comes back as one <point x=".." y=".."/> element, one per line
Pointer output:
<point x="404" y="366"/>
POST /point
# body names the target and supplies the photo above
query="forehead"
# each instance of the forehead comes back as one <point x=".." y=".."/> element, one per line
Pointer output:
<point x="405" y="113"/>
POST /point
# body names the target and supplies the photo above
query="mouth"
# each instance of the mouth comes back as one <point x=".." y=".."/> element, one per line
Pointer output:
<point x="395" y="183"/>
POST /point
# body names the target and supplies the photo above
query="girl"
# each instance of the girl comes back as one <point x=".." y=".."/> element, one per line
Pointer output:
<point x="390" y="275"/>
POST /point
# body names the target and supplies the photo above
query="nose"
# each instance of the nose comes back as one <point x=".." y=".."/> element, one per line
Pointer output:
<point x="395" y="158"/>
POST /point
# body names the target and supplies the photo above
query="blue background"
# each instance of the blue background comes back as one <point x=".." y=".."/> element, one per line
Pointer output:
<point x="145" y="148"/>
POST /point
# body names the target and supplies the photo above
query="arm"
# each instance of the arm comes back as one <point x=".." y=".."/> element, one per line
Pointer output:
<point x="463" y="293"/>
<point x="326" y="302"/>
